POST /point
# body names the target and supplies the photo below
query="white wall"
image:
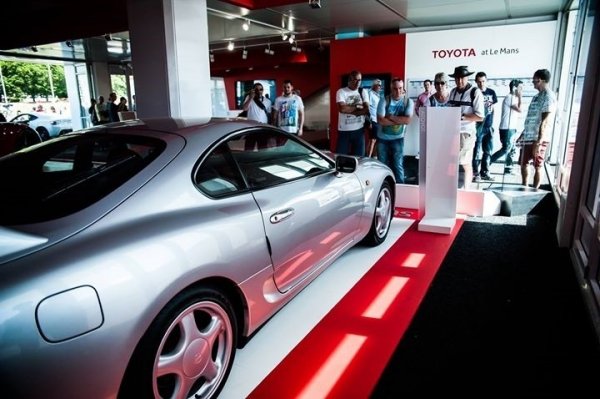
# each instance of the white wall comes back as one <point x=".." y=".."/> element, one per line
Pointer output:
<point x="502" y="52"/>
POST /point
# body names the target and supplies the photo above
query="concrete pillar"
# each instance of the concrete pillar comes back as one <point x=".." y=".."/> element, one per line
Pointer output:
<point x="169" y="51"/>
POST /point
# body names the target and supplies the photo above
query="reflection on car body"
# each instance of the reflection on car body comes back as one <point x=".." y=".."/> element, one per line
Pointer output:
<point x="138" y="255"/>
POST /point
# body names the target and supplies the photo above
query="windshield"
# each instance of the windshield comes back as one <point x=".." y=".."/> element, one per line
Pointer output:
<point x="68" y="174"/>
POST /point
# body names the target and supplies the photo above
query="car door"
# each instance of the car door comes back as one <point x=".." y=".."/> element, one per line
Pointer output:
<point x="310" y="212"/>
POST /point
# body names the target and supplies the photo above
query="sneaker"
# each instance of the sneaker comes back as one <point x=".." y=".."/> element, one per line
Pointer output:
<point x="487" y="177"/>
<point x="476" y="179"/>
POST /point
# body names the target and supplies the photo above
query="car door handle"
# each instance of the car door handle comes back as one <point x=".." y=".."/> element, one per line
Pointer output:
<point x="281" y="215"/>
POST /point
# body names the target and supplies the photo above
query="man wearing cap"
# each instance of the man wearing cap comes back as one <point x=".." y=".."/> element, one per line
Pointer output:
<point x="470" y="100"/>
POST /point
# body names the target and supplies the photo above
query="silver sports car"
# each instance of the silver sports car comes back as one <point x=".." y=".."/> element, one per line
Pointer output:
<point x="136" y="257"/>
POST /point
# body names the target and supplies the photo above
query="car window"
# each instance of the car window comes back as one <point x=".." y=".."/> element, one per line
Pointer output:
<point x="218" y="175"/>
<point x="269" y="157"/>
<point x="69" y="174"/>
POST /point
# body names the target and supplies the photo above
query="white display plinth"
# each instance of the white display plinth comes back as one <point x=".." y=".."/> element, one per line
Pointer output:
<point x="438" y="168"/>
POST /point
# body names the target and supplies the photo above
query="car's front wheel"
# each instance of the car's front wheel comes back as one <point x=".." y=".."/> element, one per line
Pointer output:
<point x="382" y="217"/>
<point x="188" y="350"/>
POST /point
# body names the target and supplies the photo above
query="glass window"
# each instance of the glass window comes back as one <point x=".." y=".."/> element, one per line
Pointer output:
<point x="268" y="158"/>
<point x="219" y="176"/>
<point x="69" y="174"/>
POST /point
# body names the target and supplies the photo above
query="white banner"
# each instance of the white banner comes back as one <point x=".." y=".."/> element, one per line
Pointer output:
<point x="503" y="52"/>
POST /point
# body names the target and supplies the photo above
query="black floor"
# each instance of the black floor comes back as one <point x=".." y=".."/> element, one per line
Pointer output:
<point x="504" y="317"/>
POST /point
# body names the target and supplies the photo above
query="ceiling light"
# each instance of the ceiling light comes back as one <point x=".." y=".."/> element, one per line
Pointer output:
<point x="244" y="54"/>
<point x="212" y="57"/>
<point x="291" y="39"/>
<point x="284" y="36"/>
<point x="268" y="50"/>
<point x="246" y="25"/>
<point x="230" y="46"/>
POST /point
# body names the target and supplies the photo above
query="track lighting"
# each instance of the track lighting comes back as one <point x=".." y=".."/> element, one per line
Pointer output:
<point x="291" y="39"/>
<point x="296" y="49"/>
<point x="212" y="57"/>
<point x="246" y="25"/>
<point x="244" y="54"/>
<point x="284" y="35"/>
<point x="230" y="46"/>
<point x="268" y="50"/>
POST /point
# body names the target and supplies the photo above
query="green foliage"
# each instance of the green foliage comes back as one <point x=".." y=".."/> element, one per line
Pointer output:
<point x="119" y="85"/>
<point x="23" y="79"/>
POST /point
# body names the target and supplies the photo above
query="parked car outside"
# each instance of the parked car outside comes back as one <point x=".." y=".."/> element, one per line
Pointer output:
<point x="16" y="136"/>
<point x="137" y="256"/>
<point x="48" y="125"/>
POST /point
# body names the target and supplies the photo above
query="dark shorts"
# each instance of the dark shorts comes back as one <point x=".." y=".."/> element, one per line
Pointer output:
<point x="527" y="154"/>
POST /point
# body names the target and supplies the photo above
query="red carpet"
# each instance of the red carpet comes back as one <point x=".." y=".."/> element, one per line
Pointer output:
<point x="345" y="354"/>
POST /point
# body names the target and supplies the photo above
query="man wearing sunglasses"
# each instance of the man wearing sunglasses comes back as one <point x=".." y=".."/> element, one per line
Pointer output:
<point x="353" y="105"/>
<point x="257" y="105"/>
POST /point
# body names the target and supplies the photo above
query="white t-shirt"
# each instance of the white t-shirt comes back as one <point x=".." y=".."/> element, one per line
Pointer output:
<point x="510" y="118"/>
<point x="256" y="113"/>
<point x="288" y="109"/>
<point x="348" y="122"/>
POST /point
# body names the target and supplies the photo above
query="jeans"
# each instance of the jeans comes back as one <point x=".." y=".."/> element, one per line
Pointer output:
<point x="391" y="153"/>
<point x="484" y="142"/>
<point x="351" y="139"/>
<point x="507" y="138"/>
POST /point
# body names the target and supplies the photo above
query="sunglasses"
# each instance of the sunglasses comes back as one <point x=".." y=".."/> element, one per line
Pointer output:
<point x="440" y="83"/>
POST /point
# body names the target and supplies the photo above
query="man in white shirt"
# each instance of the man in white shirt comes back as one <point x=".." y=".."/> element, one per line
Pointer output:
<point x="288" y="111"/>
<point x="509" y="123"/>
<point x="470" y="99"/>
<point x="257" y="105"/>
<point x="352" y="108"/>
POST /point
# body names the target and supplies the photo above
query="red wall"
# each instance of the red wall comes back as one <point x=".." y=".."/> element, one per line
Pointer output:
<point x="369" y="55"/>
<point x="309" y="71"/>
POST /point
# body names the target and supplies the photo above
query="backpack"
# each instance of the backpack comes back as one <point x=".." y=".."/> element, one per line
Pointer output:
<point x="472" y="95"/>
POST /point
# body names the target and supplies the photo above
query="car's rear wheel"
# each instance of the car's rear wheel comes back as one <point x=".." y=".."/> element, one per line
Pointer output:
<point x="382" y="217"/>
<point x="188" y="350"/>
<point x="43" y="133"/>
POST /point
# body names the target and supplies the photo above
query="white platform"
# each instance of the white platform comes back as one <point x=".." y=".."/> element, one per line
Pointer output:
<point x="468" y="202"/>
<point x="289" y="326"/>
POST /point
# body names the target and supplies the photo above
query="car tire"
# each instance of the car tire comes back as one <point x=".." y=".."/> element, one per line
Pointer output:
<point x="190" y="347"/>
<point x="43" y="133"/>
<point x="382" y="217"/>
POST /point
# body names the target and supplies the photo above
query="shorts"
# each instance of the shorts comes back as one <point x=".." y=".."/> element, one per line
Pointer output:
<point x="527" y="154"/>
<point x="467" y="142"/>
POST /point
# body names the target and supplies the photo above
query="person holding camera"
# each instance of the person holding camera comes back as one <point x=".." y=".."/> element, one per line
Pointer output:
<point x="257" y="105"/>
<point x="509" y="121"/>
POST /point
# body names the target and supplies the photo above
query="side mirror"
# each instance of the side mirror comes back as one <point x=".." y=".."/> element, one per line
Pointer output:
<point x="345" y="164"/>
